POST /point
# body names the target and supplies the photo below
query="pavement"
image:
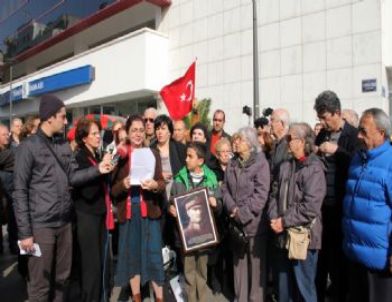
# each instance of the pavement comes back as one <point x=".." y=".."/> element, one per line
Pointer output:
<point x="13" y="286"/>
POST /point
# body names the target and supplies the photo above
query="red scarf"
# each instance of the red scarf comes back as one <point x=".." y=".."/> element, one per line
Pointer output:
<point x="109" y="208"/>
<point x="143" y="204"/>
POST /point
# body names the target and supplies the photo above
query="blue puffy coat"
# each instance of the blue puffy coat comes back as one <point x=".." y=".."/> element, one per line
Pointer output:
<point x="367" y="208"/>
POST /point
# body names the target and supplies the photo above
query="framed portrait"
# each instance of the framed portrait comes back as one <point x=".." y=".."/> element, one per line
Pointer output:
<point x="195" y="219"/>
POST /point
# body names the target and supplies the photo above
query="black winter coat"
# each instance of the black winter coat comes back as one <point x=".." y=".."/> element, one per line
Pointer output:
<point x="42" y="189"/>
<point x="89" y="198"/>
<point x="348" y="144"/>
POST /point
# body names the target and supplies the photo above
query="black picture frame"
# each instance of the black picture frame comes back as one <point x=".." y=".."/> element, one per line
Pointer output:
<point x="202" y="232"/>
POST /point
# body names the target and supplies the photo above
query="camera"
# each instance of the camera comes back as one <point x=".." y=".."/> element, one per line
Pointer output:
<point x="267" y="111"/>
<point x="247" y="110"/>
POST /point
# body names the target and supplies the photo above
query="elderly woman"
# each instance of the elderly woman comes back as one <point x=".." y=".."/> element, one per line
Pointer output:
<point x="139" y="212"/>
<point x="224" y="153"/>
<point x="245" y="193"/>
<point x="296" y="202"/>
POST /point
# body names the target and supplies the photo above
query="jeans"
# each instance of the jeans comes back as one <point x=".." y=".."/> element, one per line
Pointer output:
<point x="296" y="278"/>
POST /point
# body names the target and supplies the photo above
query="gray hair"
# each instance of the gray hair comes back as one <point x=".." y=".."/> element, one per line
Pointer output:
<point x="284" y="117"/>
<point x="381" y="119"/>
<point x="249" y="134"/>
<point x="305" y="132"/>
<point x="351" y="117"/>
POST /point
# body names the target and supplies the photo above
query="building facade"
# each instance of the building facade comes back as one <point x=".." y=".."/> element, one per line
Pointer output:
<point x="129" y="49"/>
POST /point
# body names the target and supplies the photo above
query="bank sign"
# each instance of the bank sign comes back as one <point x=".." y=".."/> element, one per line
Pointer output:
<point x="59" y="81"/>
<point x="63" y="80"/>
<point x="17" y="94"/>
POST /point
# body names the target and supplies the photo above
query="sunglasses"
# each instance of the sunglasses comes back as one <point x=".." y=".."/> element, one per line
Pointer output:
<point x="150" y="120"/>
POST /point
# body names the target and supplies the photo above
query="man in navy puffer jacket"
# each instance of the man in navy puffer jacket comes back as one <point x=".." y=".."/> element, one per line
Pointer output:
<point x="367" y="212"/>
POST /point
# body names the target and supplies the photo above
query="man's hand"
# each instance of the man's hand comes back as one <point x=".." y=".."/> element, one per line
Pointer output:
<point x="105" y="166"/>
<point x="172" y="211"/>
<point x="277" y="225"/>
<point x="27" y="244"/>
<point x="328" y="148"/>
<point x="212" y="202"/>
<point x="149" y="185"/>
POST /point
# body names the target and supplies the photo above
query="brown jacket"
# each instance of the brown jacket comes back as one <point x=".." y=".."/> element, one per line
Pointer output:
<point x="120" y="193"/>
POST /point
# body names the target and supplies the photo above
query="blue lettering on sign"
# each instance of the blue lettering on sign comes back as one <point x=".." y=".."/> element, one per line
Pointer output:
<point x="16" y="94"/>
<point x="63" y="80"/>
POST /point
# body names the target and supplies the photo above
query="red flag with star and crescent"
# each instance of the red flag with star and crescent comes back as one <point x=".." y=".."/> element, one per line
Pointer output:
<point x="178" y="95"/>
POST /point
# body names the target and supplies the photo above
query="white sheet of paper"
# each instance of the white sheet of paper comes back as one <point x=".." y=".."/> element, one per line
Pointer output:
<point x="36" y="253"/>
<point x="178" y="287"/>
<point x="142" y="165"/>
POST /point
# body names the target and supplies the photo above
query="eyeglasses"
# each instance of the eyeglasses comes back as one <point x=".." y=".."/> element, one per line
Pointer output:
<point x="290" y="138"/>
<point x="362" y="130"/>
<point x="149" y="120"/>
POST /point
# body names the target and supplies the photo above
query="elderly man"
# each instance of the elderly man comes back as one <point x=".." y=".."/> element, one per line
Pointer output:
<point x="351" y="117"/>
<point x="180" y="132"/>
<point x="337" y="143"/>
<point x="218" y="123"/>
<point x="16" y="128"/>
<point x="280" y="120"/>
<point x="367" y="212"/>
<point x="149" y="116"/>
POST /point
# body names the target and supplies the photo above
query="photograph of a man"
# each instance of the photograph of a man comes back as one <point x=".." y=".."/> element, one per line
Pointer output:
<point x="196" y="221"/>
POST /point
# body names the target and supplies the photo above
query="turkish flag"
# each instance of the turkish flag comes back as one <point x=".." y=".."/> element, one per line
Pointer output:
<point x="178" y="95"/>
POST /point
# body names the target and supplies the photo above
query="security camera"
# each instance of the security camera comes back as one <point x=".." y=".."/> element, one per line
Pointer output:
<point x="247" y="110"/>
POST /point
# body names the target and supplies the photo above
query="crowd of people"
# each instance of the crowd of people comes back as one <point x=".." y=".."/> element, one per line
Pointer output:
<point x="300" y="213"/>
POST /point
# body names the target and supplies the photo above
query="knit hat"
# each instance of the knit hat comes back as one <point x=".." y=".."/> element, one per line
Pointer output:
<point x="49" y="106"/>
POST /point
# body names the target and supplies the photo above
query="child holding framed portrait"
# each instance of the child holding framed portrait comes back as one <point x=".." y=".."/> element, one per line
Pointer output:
<point x="194" y="204"/>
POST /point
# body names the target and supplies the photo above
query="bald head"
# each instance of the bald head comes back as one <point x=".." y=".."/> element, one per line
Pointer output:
<point x="280" y="121"/>
<point x="180" y="131"/>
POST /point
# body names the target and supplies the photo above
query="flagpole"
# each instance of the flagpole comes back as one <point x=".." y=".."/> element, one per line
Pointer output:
<point x="256" y="109"/>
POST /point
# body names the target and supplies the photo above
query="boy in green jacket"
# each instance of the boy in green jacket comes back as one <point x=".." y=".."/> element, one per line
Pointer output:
<point x="195" y="175"/>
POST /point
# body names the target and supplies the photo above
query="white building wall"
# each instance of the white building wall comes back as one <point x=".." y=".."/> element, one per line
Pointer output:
<point x="305" y="47"/>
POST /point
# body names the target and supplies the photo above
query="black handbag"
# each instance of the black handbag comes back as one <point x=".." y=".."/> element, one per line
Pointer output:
<point x="239" y="241"/>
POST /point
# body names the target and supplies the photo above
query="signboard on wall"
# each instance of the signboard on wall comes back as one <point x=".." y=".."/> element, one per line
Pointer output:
<point x="369" y="85"/>
<point x="17" y="94"/>
<point x="63" y="80"/>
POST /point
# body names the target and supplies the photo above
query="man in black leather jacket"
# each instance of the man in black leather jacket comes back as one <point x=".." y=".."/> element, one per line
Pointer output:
<point x="45" y="170"/>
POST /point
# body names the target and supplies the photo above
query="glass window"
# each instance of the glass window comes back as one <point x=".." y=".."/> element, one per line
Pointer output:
<point x="25" y="23"/>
